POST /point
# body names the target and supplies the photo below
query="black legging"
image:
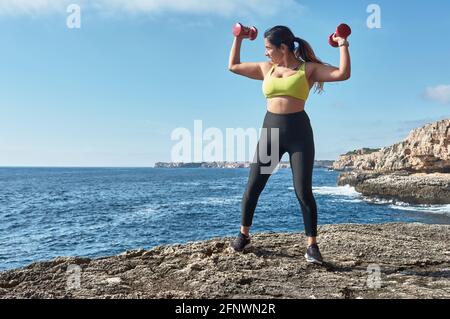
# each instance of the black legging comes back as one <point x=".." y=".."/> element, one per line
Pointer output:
<point x="295" y="137"/>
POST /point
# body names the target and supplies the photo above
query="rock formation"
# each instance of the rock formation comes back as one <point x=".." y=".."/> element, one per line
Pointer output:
<point x="416" y="170"/>
<point x="418" y="188"/>
<point x="426" y="149"/>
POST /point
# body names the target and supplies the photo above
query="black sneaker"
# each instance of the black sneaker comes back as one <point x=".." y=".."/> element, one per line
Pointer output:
<point x="241" y="242"/>
<point x="313" y="254"/>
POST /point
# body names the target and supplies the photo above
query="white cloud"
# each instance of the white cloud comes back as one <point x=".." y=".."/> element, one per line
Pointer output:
<point x="226" y="8"/>
<point x="15" y="7"/>
<point x="440" y="93"/>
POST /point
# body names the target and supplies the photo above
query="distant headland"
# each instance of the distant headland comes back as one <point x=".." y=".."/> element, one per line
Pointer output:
<point x="318" y="163"/>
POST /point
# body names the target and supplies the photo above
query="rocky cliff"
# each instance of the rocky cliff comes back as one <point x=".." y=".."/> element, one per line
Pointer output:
<point x="362" y="261"/>
<point x="416" y="170"/>
<point x="426" y="149"/>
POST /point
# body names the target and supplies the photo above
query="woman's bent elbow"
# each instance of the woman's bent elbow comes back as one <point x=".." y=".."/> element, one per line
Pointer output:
<point x="232" y="68"/>
<point x="345" y="77"/>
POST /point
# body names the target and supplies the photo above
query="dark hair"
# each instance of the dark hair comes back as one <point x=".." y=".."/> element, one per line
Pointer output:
<point x="281" y="34"/>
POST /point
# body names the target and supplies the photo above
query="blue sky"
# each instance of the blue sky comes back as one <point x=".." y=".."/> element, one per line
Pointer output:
<point x="111" y="92"/>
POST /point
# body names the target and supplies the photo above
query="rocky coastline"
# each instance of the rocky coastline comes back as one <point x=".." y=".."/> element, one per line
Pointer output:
<point x="361" y="261"/>
<point x="416" y="170"/>
<point x="418" y="188"/>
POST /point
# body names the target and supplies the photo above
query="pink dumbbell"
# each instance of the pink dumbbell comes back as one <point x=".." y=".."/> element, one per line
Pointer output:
<point x="247" y="32"/>
<point x="342" y="31"/>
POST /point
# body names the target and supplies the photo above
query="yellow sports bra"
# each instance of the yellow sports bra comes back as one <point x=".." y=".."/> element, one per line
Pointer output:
<point x="295" y="85"/>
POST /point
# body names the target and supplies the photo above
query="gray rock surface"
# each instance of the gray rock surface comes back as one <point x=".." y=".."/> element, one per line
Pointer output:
<point x="413" y="262"/>
<point x="419" y="188"/>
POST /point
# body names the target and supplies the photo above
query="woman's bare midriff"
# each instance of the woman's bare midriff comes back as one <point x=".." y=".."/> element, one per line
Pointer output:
<point x="285" y="105"/>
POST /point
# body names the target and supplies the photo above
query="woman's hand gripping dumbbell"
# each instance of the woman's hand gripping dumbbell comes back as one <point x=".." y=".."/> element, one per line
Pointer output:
<point x="242" y="31"/>
<point x="339" y="37"/>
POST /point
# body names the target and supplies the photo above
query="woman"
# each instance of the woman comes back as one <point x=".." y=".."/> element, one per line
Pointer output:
<point x="287" y="79"/>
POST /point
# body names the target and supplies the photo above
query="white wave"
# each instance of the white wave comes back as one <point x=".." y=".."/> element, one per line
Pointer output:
<point x="347" y="191"/>
<point x="149" y="211"/>
<point x="381" y="201"/>
<point x="212" y="201"/>
<point x="434" y="209"/>
<point x="348" y="194"/>
<point x="217" y="187"/>
<point x="350" y="200"/>
<point x="187" y="183"/>
<point x="399" y="205"/>
<point x="139" y="214"/>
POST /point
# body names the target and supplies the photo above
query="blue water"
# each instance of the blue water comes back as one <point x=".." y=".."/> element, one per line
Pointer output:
<point x="50" y="212"/>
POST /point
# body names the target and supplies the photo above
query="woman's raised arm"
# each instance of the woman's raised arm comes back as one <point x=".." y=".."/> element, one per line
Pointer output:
<point x="327" y="73"/>
<point x="251" y="70"/>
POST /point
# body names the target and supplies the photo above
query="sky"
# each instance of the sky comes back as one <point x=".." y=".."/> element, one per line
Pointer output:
<point x="111" y="91"/>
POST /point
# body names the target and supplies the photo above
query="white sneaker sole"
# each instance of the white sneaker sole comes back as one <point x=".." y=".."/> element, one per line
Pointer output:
<point x="312" y="260"/>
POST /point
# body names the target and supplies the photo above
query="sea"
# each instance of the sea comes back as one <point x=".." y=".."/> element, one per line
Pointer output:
<point x="96" y="212"/>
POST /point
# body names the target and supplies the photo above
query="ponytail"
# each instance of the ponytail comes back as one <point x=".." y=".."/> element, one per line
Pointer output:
<point x="305" y="53"/>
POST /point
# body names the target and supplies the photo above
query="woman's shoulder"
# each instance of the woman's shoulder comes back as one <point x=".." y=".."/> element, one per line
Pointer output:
<point x="313" y="65"/>
<point x="266" y="66"/>
<point x="310" y="67"/>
